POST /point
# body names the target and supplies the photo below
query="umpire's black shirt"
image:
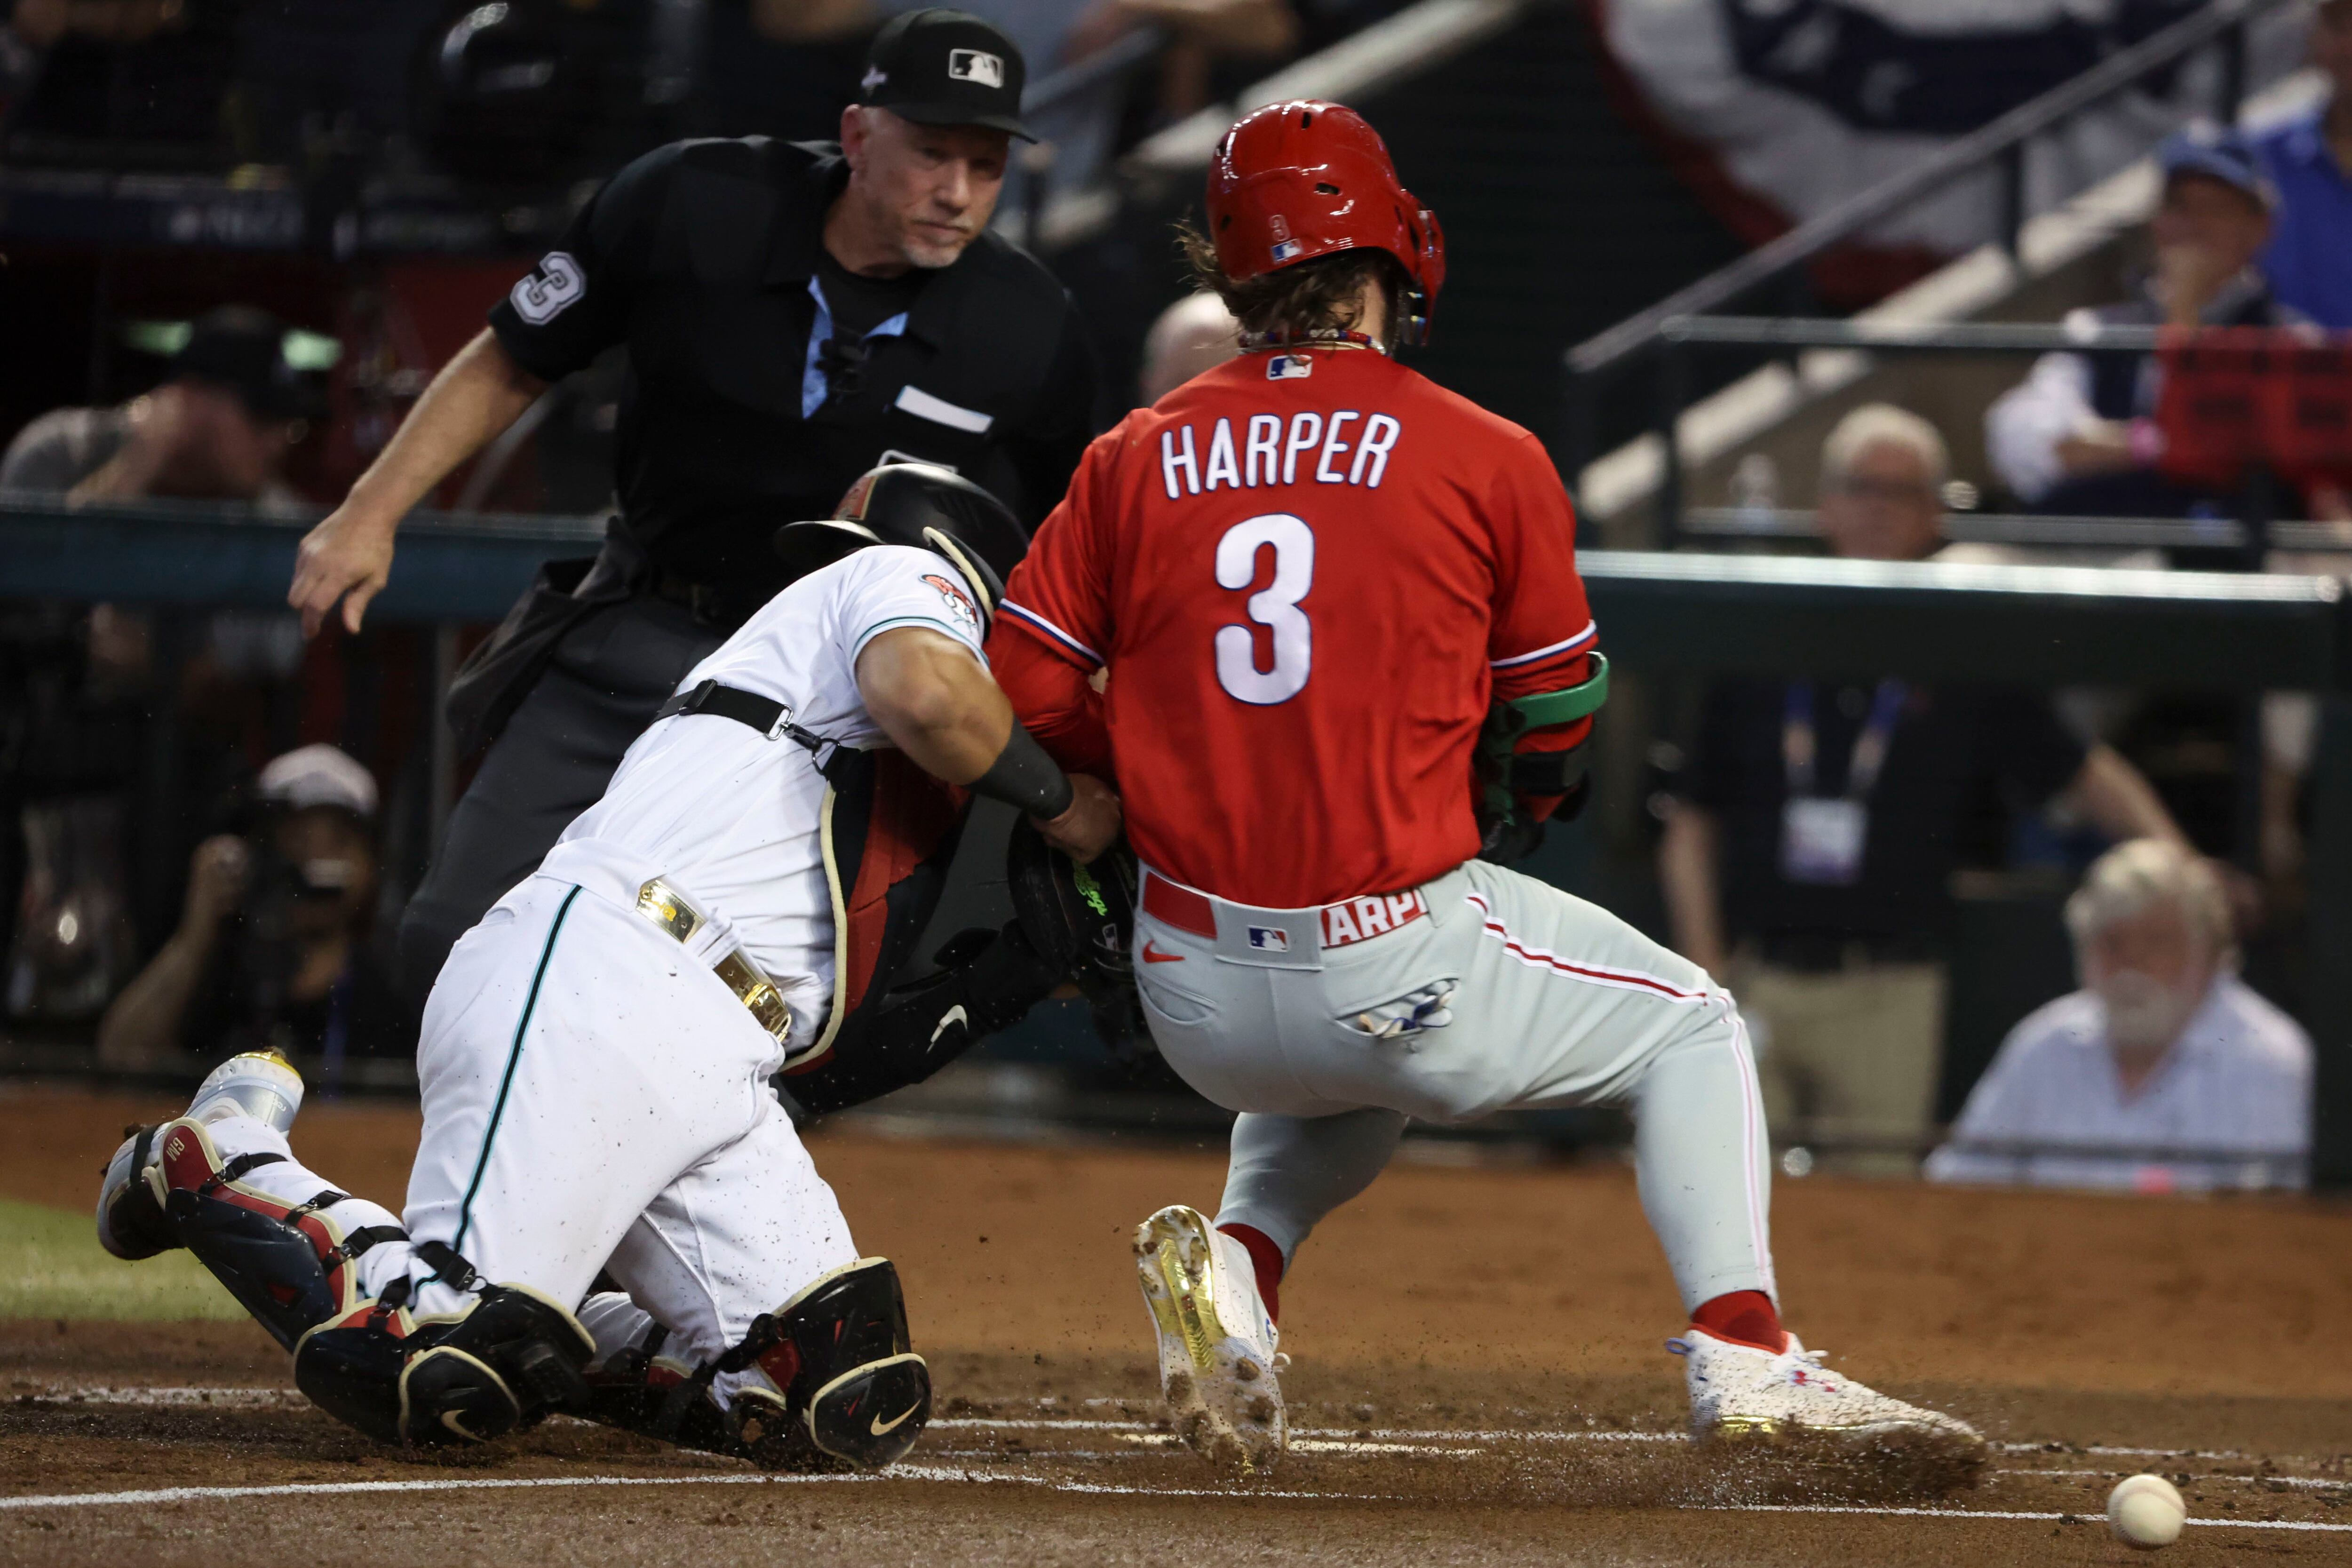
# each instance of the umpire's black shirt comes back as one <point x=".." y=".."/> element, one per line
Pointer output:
<point x="699" y="257"/>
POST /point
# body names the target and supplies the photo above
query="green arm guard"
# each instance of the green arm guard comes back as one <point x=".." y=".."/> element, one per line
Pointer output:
<point x="1561" y="707"/>
<point x="1503" y="776"/>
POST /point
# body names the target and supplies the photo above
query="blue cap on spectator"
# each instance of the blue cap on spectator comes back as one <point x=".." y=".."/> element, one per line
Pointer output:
<point x="2222" y="155"/>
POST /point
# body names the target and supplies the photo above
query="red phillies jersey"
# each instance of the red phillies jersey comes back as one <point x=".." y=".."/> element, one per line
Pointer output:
<point x="1307" y="575"/>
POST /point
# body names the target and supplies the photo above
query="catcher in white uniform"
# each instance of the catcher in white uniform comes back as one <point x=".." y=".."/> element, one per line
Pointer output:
<point x="596" y="1053"/>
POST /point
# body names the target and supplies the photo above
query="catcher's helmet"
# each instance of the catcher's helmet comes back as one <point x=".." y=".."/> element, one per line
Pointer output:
<point x="921" y="504"/>
<point x="1294" y="180"/>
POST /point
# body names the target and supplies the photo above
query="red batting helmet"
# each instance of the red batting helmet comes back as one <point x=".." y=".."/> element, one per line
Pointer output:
<point x="1294" y="180"/>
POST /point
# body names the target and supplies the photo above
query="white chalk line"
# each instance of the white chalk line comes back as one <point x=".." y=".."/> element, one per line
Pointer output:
<point x="327" y="1489"/>
<point x="225" y="1398"/>
<point x="2313" y="1483"/>
<point x="193" y="1396"/>
<point x="230" y="1397"/>
<point x="2310" y="1525"/>
<point x="943" y="1473"/>
<point x="1393" y="1442"/>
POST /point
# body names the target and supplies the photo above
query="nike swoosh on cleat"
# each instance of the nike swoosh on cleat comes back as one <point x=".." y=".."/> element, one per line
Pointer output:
<point x="880" y="1426"/>
<point x="955" y="1015"/>
<point x="1151" y="957"/>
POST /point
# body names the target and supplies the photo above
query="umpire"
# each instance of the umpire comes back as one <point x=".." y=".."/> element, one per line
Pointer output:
<point x="793" y="314"/>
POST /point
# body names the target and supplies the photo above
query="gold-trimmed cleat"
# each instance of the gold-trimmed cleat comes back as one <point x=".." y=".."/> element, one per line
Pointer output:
<point x="1218" y="1365"/>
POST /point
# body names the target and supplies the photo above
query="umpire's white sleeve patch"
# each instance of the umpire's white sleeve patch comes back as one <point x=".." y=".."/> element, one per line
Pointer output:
<point x="940" y="411"/>
<point x="539" y="296"/>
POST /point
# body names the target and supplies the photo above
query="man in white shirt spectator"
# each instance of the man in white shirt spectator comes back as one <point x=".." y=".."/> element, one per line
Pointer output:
<point x="2164" y="1072"/>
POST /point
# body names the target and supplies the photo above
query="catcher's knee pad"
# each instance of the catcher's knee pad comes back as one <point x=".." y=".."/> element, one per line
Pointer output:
<point x="506" y="1360"/>
<point x="292" y="1265"/>
<point x="851" y="1387"/>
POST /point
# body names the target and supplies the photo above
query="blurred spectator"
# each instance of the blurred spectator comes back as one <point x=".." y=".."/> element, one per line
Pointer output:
<point x="2078" y="436"/>
<point x="321" y="77"/>
<point x="785" y="68"/>
<point x="2309" y="161"/>
<point x="2164" y="1048"/>
<point x="1808" y="852"/>
<point x="1213" y="47"/>
<point x="1248" y="30"/>
<point x="273" y="950"/>
<point x="144" y="76"/>
<point x="220" y="427"/>
<point x="1194" y="334"/>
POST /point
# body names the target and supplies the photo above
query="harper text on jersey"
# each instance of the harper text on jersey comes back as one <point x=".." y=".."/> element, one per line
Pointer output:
<point x="1268" y="456"/>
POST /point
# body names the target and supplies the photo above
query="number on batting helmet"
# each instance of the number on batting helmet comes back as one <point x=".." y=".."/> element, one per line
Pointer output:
<point x="1295" y="181"/>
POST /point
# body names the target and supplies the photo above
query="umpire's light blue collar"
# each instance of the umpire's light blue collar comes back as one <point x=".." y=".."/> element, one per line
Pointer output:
<point x="814" y="388"/>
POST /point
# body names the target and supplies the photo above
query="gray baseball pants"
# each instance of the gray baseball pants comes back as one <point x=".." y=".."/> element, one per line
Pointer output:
<point x="1528" y="998"/>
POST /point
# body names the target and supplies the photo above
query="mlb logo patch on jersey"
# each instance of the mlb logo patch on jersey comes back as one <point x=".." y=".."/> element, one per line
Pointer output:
<point x="1289" y="367"/>
<point x="960" y="610"/>
<point x="1269" y="938"/>
<point x="976" y="65"/>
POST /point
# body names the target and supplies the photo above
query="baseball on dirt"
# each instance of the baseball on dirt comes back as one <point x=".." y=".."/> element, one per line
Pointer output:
<point x="2145" y="1511"/>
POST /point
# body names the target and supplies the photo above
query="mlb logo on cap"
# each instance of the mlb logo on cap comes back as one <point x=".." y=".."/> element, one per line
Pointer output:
<point x="1269" y="938"/>
<point x="976" y="65"/>
<point x="1288" y="367"/>
<point x="1287" y="250"/>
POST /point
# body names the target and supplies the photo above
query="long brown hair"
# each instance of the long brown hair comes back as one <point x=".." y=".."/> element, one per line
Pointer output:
<point x="1318" y="296"/>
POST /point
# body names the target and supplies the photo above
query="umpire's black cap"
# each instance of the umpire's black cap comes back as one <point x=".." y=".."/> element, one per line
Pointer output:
<point x="947" y="68"/>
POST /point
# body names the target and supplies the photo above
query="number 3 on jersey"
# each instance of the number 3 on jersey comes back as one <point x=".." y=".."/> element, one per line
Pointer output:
<point x="1274" y="607"/>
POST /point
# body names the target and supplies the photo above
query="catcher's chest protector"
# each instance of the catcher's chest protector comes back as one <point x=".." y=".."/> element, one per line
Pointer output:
<point x="890" y="831"/>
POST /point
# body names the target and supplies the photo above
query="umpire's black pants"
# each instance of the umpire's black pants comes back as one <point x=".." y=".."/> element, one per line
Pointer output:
<point x="551" y="762"/>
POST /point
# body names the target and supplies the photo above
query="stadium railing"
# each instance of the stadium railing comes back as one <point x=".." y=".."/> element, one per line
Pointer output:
<point x="1778" y="269"/>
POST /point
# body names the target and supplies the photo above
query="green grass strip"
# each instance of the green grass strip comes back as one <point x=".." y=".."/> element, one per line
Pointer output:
<point x="51" y="1266"/>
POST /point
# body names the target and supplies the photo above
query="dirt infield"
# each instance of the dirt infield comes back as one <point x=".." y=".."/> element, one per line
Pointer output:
<point x="1477" y="1377"/>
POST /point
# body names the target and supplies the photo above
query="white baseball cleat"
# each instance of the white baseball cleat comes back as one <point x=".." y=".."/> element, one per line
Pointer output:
<point x="259" y="1084"/>
<point x="1740" y="1393"/>
<point x="1217" y="1356"/>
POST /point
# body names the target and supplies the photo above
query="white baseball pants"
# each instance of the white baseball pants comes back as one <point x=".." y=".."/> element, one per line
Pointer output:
<point x="594" y="1098"/>
<point x="1553" y="1002"/>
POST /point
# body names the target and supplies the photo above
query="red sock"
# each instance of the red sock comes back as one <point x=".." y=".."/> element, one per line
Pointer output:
<point x="1266" y="1258"/>
<point x="1745" y="1317"/>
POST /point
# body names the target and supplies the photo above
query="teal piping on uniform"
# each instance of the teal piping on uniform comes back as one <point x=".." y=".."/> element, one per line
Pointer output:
<point x="514" y="1057"/>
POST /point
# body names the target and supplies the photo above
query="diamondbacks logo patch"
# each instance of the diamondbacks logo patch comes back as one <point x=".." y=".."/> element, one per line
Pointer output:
<point x="960" y="610"/>
<point x="976" y="65"/>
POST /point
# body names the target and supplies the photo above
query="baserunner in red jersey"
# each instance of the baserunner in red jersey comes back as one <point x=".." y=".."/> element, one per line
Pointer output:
<point x="1347" y="645"/>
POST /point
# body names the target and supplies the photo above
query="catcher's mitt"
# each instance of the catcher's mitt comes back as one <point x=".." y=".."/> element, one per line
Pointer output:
<point x="1081" y="919"/>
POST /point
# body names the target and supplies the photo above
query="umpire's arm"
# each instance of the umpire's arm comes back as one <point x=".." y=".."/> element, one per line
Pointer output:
<point x="348" y="556"/>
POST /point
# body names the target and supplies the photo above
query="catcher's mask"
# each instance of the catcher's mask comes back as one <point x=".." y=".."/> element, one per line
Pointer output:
<point x="923" y="505"/>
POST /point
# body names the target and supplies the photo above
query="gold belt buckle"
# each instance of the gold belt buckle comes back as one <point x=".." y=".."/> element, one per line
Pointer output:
<point x="669" y="910"/>
<point x="756" y="991"/>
